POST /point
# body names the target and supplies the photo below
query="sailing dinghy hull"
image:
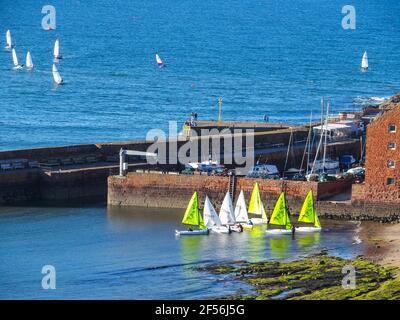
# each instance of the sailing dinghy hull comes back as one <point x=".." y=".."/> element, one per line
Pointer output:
<point x="256" y="221"/>
<point x="278" y="232"/>
<point x="191" y="233"/>
<point x="220" y="229"/>
<point x="307" y="229"/>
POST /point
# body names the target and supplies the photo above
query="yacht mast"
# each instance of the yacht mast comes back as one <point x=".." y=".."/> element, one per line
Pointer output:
<point x="320" y="140"/>
<point x="326" y="134"/>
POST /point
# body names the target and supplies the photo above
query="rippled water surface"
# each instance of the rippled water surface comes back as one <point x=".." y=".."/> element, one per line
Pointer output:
<point x="263" y="57"/>
<point x="134" y="254"/>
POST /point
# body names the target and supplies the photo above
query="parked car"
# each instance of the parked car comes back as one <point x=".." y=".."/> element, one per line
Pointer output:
<point x="187" y="171"/>
<point x="262" y="170"/>
<point x="220" y="172"/>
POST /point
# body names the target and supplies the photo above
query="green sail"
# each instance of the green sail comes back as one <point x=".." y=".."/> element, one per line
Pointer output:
<point x="280" y="216"/>
<point x="307" y="213"/>
<point x="256" y="206"/>
<point x="192" y="214"/>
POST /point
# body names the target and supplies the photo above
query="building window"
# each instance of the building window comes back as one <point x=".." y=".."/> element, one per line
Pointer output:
<point x="390" y="181"/>
<point x="392" y="128"/>
<point x="391" y="164"/>
<point x="392" y="145"/>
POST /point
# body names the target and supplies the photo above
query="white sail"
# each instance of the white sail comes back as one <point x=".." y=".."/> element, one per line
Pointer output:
<point x="14" y="57"/>
<point x="8" y="39"/>
<point x="56" y="51"/>
<point x="56" y="75"/>
<point x="364" y="61"/>
<point x="29" y="63"/>
<point x="241" y="209"/>
<point x="158" y="59"/>
<point x="226" y="214"/>
<point x="211" y="218"/>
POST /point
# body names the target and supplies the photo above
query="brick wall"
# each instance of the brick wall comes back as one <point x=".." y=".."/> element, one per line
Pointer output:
<point x="174" y="191"/>
<point x="378" y="154"/>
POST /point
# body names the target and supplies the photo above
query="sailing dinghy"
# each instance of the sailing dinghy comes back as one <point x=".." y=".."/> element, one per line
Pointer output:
<point x="160" y="63"/>
<point x="56" y="75"/>
<point x="280" y="218"/>
<point x="241" y="215"/>
<point x="29" y="63"/>
<point x="309" y="215"/>
<point x="364" y="61"/>
<point x="227" y="214"/>
<point x="9" y="44"/>
<point x="193" y="217"/>
<point x="211" y="219"/>
<point x="17" y="66"/>
<point x="256" y="207"/>
<point x="56" y="50"/>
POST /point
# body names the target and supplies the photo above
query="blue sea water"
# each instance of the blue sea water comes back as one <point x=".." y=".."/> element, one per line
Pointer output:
<point x="261" y="56"/>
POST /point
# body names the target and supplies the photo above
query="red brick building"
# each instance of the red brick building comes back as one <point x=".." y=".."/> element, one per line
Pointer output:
<point x="382" y="159"/>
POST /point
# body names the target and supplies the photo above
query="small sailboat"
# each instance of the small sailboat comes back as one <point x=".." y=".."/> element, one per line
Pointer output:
<point x="193" y="217"/>
<point x="9" y="44"/>
<point x="17" y="66"/>
<point x="160" y="63"/>
<point x="241" y="215"/>
<point x="29" y="63"/>
<point x="309" y="215"/>
<point x="211" y="219"/>
<point x="227" y="214"/>
<point x="364" y="62"/>
<point x="56" y="75"/>
<point x="256" y="207"/>
<point x="56" y="51"/>
<point x="280" y="217"/>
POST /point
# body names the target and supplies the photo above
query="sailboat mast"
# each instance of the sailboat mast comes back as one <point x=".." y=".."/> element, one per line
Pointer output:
<point x="326" y="134"/>
<point x="287" y="152"/>
<point x="321" y="136"/>
<point x="307" y="148"/>
<point x="309" y="143"/>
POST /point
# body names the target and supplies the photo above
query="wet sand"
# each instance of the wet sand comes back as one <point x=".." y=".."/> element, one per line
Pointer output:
<point x="382" y="243"/>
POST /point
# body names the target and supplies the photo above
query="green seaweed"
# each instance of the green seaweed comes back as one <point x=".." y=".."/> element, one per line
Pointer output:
<point x="316" y="278"/>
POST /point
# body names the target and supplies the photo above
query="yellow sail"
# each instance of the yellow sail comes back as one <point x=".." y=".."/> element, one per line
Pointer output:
<point x="308" y="213"/>
<point x="192" y="214"/>
<point x="256" y="206"/>
<point x="280" y="216"/>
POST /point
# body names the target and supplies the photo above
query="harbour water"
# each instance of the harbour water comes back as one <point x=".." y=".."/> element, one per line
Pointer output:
<point x="263" y="57"/>
<point x="101" y="253"/>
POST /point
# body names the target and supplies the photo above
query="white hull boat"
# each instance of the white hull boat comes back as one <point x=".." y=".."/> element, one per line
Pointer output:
<point x="211" y="219"/>
<point x="194" y="218"/>
<point x="258" y="221"/>
<point x="307" y="229"/>
<point x="280" y="218"/>
<point x="191" y="233"/>
<point x="308" y="215"/>
<point x="278" y="231"/>
<point x="220" y="229"/>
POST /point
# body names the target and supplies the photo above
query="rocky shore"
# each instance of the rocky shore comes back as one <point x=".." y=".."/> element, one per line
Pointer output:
<point x="317" y="278"/>
<point x="377" y="272"/>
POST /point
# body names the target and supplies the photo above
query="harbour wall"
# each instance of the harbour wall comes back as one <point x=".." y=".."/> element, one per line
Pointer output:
<point x="59" y="178"/>
<point x="174" y="191"/>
